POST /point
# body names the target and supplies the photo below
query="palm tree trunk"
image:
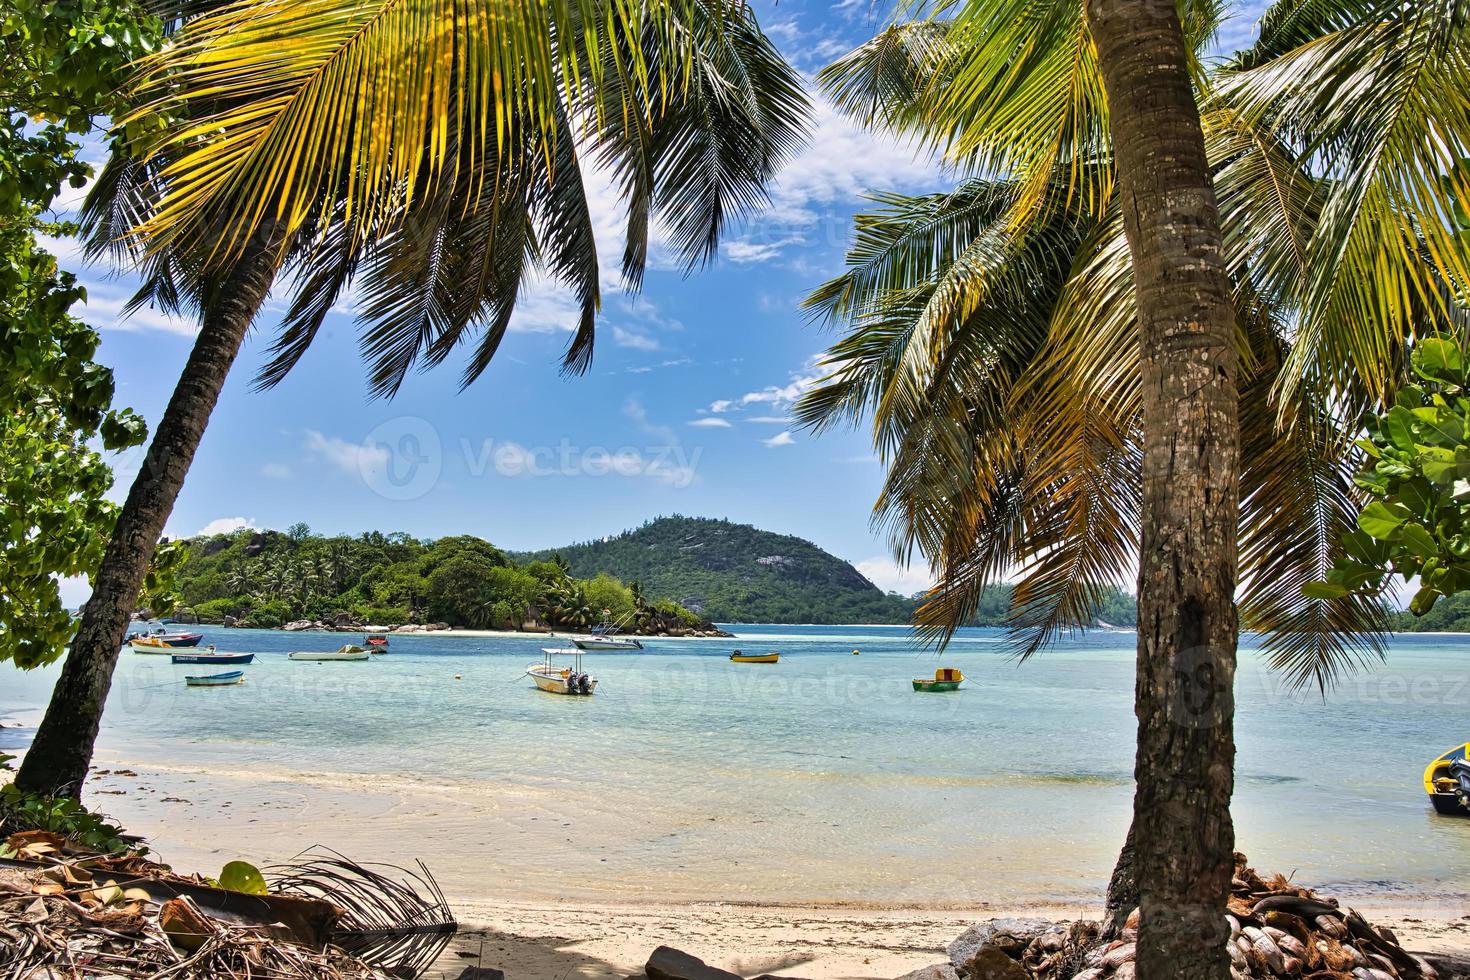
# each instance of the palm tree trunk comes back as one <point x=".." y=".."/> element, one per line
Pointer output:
<point x="57" y="760"/>
<point x="1183" y="836"/>
<point x="1122" y="889"/>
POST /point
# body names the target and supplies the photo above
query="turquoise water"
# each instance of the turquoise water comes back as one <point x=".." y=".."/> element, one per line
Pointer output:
<point x="822" y="778"/>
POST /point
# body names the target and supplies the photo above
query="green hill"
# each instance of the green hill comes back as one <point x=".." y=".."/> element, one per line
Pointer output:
<point x="735" y="573"/>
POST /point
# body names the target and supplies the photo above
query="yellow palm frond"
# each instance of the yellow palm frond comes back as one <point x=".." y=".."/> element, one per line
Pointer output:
<point x="291" y="104"/>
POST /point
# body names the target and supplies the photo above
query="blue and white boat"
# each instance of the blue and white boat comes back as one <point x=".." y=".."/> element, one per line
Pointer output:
<point x="216" y="680"/>
<point x="210" y="656"/>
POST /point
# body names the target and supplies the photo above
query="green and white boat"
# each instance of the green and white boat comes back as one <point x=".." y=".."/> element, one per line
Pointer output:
<point x="944" y="679"/>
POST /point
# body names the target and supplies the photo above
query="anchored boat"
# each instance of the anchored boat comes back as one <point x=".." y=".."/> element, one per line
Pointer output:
<point x="210" y="656"/>
<point x="216" y="680"/>
<point x="164" y="642"/>
<point x="604" y="636"/>
<point x="755" y="658"/>
<point x="1447" y="781"/>
<point x="554" y="678"/>
<point x="944" y="679"/>
<point x="376" y="643"/>
<point x="348" y="652"/>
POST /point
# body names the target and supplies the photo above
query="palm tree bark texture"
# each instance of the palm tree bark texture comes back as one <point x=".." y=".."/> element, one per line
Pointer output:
<point x="1187" y="630"/>
<point x="58" y="759"/>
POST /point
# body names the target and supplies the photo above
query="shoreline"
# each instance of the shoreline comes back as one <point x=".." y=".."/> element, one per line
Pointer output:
<point x="613" y="940"/>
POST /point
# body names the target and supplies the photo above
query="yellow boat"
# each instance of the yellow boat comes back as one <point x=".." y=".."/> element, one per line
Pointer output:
<point x="1447" y="781"/>
<point x="754" y="658"/>
<point x="944" y="679"/>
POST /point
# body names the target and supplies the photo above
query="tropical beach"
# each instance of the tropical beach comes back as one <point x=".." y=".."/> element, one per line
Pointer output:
<point x="734" y="490"/>
<point x="754" y="812"/>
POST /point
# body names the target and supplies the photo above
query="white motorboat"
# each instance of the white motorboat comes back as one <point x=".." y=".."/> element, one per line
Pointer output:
<point x="554" y="678"/>
<point x="604" y="637"/>
<point x="348" y="652"/>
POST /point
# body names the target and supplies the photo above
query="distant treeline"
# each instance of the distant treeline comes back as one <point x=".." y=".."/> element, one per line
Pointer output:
<point x="1450" y="614"/>
<point x="269" y="578"/>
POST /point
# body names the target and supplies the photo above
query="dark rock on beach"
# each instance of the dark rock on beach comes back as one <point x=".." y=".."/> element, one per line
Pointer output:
<point x="667" y="963"/>
<point x="1004" y="933"/>
<point x="938" y="971"/>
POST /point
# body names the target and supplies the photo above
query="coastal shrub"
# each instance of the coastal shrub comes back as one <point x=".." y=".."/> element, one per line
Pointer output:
<point x="268" y="615"/>
<point x="610" y="597"/>
<point x="457" y="591"/>
<point x="380" y="615"/>
<point x="21" y="811"/>
<point x="216" y="610"/>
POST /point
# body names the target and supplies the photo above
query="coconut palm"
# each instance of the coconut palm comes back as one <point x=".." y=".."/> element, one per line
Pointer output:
<point x="1003" y="340"/>
<point x="411" y="148"/>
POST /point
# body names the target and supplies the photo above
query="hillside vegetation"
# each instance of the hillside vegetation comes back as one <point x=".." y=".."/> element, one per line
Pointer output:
<point x="672" y="573"/>
<point x="735" y="573"/>
<point x="268" y="578"/>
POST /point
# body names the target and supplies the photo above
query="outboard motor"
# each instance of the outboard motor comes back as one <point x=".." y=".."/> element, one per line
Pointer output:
<point x="1460" y="771"/>
<point x="584" y="684"/>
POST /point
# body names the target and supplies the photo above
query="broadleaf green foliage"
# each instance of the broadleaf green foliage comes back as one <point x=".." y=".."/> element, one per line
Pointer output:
<point x="64" y="63"/>
<point x="1418" y="470"/>
<point x="21" y="811"/>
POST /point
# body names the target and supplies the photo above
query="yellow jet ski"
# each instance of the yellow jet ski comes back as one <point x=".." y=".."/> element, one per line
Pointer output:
<point x="1447" y="781"/>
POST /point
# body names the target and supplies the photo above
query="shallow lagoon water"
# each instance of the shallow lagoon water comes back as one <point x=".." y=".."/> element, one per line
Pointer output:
<point x="822" y="778"/>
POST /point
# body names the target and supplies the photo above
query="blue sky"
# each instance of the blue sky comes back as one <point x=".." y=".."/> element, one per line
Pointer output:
<point x="684" y="409"/>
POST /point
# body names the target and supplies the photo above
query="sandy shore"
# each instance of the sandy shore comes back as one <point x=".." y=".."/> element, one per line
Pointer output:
<point x="552" y="941"/>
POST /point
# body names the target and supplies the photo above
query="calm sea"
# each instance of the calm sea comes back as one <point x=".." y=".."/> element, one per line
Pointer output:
<point x="822" y="778"/>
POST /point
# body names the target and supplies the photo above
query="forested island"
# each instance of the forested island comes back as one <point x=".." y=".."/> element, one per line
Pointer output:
<point x="671" y="574"/>
<point x="266" y="579"/>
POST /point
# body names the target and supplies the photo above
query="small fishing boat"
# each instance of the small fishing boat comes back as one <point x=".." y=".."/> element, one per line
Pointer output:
<point x="216" y="680"/>
<point x="755" y="658"/>
<point x="376" y="643"/>
<point x="553" y="678"/>
<point x="210" y="656"/>
<point x="164" y="642"/>
<point x="944" y="679"/>
<point x="348" y="652"/>
<point x="1447" y="781"/>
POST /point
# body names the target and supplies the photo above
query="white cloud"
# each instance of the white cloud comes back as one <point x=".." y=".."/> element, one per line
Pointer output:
<point x="355" y="459"/>
<point x="276" y="471"/>
<point x="672" y="362"/>
<point x="779" y="439"/>
<point x="631" y="338"/>
<point x="722" y="405"/>
<point x="104" y="310"/>
<point x="668" y="465"/>
<point x="633" y="409"/>
<point x="744" y="251"/>
<point x="888" y="576"/>
<point x="545" y="307"/>
<point x="710" y="422"/>
<point x="770" y="419"/>
<point x="224" y="525"/>
<point x="842" y="162"/>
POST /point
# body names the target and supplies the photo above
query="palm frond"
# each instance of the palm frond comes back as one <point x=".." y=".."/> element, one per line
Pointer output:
<point x="293" y="104"/>
<point x="1297" y="501"/>
<point x="1375" y="100"/>
<point x="392" y="918"/>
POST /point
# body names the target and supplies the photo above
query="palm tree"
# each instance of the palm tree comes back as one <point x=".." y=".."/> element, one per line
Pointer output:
<point x="341" y="563"/>
<point x="441" y="215"/>
<point x="1012" y="344"/>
